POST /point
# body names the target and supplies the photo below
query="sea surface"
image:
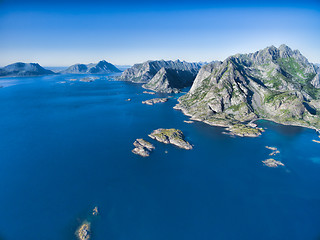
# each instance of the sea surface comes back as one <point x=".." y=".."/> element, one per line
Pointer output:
<point x="66" y="148"/>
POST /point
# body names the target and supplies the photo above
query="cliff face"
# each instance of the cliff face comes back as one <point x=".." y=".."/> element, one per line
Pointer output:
<point x="274" y="83"/>
<point x="170" y="80"/>
<point x="162" y="76"/>
<point x="102" y="67"/>
<point x="20" y="69"/>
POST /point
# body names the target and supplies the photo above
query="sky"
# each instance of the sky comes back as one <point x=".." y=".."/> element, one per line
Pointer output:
<point x="62" y="33"/>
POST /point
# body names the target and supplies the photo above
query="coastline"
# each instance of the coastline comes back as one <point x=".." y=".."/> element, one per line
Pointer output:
<point x="183" y="110"/>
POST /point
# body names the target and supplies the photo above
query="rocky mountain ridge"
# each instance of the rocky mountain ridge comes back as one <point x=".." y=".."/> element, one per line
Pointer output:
<point x="102" y="67"/>
<point x="278" y="84"/>
<point x="20" y="69"/>
<point x="162" y="76"/>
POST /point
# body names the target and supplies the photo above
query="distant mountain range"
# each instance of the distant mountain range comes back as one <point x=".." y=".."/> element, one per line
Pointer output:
<point x="162" y="76"/>
<point x="20" y="69"/>
<point x="278" y="84"/>
<point x="102" y="67"/>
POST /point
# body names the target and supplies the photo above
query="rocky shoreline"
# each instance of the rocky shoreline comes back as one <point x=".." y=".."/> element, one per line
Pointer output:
<point x="232" y="129"/>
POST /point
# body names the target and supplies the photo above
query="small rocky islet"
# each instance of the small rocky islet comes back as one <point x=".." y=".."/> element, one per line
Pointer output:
<point x="171" y="136"/>
<point x="155" y="100"/>
<point x="274" y="150"/>
<point x="272" y="162"/>
<point x="84" y="231"/>
<point x="142" y="147"/>
<point x="167" y="136"/>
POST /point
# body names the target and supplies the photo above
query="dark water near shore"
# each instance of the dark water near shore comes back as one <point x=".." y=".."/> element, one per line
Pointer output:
<point x="66" y="147"/>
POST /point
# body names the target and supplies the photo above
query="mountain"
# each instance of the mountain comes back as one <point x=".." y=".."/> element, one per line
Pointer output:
<point x="162" y="76"/>
<point x="20" y="69"/>
<point x="278" y="84"/>
<point x="102" y="67"/>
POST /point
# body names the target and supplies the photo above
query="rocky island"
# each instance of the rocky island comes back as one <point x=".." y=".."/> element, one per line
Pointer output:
<point x="172" y="136"/>
<point x="155" y="100"/>
<point x="277" y="84"/>
<point x="142" y="147"/>
<point x="20" y="69"/>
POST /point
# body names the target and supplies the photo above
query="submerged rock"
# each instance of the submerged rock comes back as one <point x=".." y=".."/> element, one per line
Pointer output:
<point x="155" y="100"/>
<point x="272" y="163"/>
<point x="172" y="136"/>
<point x="142" y="147"/>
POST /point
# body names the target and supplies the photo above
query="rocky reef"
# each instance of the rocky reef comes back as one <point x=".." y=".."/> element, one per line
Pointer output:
<point x="162" y="76"/>
<point x="277" y="84"/>
<point x="20" y="69"/>
<point x="142" y="147"/>
<point x="171" y="136"/>
<point x="155" y="100"/>
<point x="102" y="67"/>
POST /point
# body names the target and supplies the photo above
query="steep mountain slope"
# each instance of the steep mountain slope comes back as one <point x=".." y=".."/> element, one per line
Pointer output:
<point x="102" y="67"/>
<point x="20" y="69"/>
<point x="170" y="80"/>
<point x="274" y="83"/>
<point x="162" y="76"/>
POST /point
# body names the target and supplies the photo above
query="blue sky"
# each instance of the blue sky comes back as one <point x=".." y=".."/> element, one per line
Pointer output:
<point x="61" y="33"/>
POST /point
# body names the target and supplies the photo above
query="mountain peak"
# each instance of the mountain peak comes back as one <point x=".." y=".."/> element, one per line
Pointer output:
<point x="24" y="69"/>
<point x="102" y="67"/>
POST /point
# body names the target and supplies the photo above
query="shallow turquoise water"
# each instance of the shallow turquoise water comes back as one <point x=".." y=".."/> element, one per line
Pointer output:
<point x="67" y="147"/>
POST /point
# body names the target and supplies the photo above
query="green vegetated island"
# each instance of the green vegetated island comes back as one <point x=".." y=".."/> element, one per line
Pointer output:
<point x="276" y="84"/>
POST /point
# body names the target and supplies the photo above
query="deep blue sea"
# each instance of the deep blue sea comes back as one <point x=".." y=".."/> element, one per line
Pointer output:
<point x="66" y="147"/>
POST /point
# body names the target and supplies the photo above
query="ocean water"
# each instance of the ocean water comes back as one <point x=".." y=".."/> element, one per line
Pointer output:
<point x="66" y="147"/>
